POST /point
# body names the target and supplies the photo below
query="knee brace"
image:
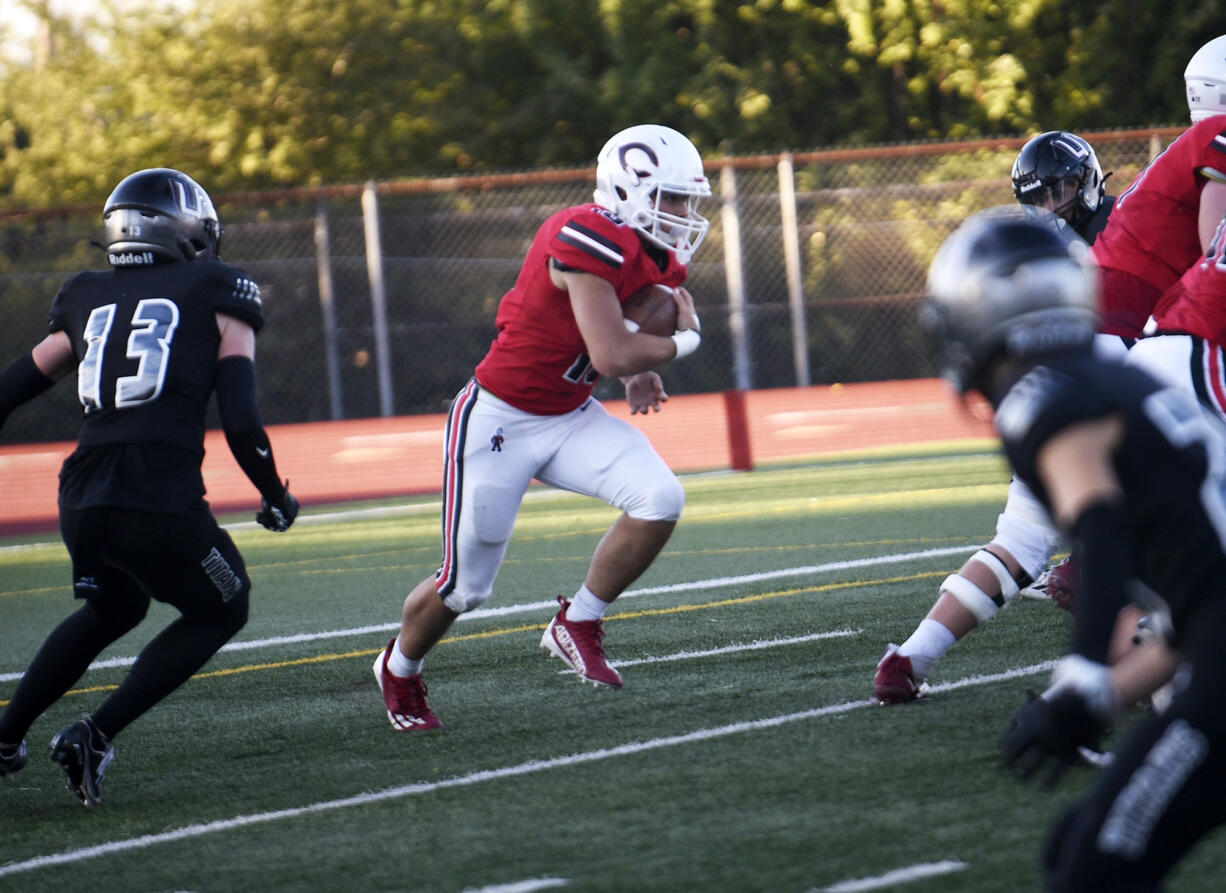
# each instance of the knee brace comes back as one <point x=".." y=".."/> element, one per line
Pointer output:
<point x="974" y="599"/>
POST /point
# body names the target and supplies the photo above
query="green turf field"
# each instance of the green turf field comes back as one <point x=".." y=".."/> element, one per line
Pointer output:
<point x="743" y="753"/>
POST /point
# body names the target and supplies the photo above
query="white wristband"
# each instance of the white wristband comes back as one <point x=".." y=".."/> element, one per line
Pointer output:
<point x="687" y="342"/>
<point x="631" y="325"/>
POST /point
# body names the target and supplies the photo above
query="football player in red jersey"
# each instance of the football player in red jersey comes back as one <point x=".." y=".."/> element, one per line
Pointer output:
<point x="1163" y="222"/>
<point x="528" y="411"/>
<point x="1189" y="321"/>
<point x="150" y="341"/>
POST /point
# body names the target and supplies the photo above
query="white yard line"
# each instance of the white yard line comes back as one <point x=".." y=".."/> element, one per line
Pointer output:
<point x="529" y="886"/>
<point x="897" y="876"/>
<point x="758" y="645"/>
<point x="532" y="607"/>
<point x="531" y="767"/>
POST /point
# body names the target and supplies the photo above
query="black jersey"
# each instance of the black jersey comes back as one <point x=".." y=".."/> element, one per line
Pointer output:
<point x="146" y="342"/>
<point x="1171" y="465"/>
<point x="1089" y="228"/>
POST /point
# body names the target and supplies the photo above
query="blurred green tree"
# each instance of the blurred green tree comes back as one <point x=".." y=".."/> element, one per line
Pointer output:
<point x="254" y="94"/>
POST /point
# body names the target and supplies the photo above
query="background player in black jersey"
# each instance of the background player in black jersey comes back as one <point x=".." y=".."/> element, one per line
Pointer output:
<point x="1135" y="473"/>
<point x="1059" y="171"/>
<point x="1056" y="172"/>
<point x="150" y="340"/>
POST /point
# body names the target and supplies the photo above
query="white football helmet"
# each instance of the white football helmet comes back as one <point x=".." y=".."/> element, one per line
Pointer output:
<point x="1205" y="77"/>
<point x="638" y="167"/>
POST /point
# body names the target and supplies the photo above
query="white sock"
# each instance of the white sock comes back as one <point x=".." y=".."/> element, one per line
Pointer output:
<point x="586" y="606"/>
<point x="926" y="646"/>
<point x="399" y="665"/>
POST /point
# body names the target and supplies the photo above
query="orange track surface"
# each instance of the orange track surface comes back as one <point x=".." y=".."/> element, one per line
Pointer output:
<point x="374" y="458"/>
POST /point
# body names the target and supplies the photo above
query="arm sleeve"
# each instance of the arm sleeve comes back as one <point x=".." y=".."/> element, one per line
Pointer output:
<point x="20" y="382"/>
<point x="1102" y="544"/>
<point x="240" y="419"/>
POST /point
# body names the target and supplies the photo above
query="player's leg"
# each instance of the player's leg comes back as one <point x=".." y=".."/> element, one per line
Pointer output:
<point x="113" y="605"/>
<point x="188" y="562"/>
<point x="1024" y="542"/>
<point x="491" y="454"/>
<point x="611" y="460"/>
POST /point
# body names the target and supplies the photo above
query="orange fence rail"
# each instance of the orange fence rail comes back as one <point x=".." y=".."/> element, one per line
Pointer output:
<point x="329" y="462"/>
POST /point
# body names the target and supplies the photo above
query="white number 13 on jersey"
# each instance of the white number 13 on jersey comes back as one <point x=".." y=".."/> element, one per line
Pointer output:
<point x="150" y="333"/>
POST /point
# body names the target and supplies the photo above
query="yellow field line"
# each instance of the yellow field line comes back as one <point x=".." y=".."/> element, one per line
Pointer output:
<point x="533" y="627"/>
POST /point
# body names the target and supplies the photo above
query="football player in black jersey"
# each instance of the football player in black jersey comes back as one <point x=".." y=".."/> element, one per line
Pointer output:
<point x="1059" y="171"/>
<point x="150" y="339"/>
<point x="1056" y="172"/>
<point x="1134" y="472"/>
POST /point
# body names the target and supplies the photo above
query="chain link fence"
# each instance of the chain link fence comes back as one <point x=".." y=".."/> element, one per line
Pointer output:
<point x="380" y="299"/>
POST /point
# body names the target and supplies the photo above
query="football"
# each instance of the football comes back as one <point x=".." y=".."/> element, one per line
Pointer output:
<point x="653" y="309"/>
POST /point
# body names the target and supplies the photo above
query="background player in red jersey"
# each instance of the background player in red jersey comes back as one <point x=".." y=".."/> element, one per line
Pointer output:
<point x="1189" y="320"/>
<point x="528" y="412"/>
<point x="150" y="340"/>
<point x="1163" y="222"/>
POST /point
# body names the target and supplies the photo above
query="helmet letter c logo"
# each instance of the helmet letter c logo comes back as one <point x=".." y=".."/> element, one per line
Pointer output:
<point x="627" y="164"/>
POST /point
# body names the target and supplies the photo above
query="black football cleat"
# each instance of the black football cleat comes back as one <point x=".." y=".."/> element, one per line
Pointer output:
<point x="12" y="758"/>
<point x="84" y="754"/>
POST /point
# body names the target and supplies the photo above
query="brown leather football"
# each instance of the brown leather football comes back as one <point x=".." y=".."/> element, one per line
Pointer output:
<point x="653" y="308"/>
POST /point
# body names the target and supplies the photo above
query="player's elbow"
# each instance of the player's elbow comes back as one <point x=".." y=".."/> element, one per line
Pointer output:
<point x="612" y="363"/>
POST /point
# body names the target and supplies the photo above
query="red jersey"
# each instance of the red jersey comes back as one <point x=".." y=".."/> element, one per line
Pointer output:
<point x="538" y="362"/>
<point x="1152" y="232"/>
<point x="1197" y="303"/>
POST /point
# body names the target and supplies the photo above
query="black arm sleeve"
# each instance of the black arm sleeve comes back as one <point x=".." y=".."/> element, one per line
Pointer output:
<point x="1103" y="546"/>
<point x="20" y="382"/>
<point x="240" y="419"/>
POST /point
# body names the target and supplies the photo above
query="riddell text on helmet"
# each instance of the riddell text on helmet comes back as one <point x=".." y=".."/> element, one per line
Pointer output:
<point x="130" y="258"/>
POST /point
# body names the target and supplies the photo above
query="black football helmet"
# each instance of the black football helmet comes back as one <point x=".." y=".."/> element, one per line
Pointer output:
<point x="1059" y="171"/>
<point x="160" y="215"/>
<point x="1007" y="284"/>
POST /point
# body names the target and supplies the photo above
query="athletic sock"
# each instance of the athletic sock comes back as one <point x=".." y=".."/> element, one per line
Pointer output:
<point x="399" y="665"/>
<point x="586" y="606"/>
<point x="926" y="646"/>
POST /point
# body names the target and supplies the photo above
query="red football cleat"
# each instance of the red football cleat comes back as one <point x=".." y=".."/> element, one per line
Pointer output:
<point x="895" y="682"/>
<point x="404" y="697"/>
<point x="1063" y="581"/>
<point x="578" y="644"/>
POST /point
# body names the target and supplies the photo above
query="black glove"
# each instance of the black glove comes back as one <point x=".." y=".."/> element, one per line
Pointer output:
<point x="278" y="515"/>
<point x="1047" y="731"/>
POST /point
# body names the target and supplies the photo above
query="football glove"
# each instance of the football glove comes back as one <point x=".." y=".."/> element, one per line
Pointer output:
<point x="278" y="515"/>
<point x="1047" y="733"/>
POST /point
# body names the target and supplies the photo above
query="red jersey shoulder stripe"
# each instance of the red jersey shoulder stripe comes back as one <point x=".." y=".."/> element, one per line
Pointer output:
<point x="591" y="242"/>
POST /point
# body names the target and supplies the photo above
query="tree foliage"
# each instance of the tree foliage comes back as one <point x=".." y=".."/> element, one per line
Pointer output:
<point x="251" y="94"/>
